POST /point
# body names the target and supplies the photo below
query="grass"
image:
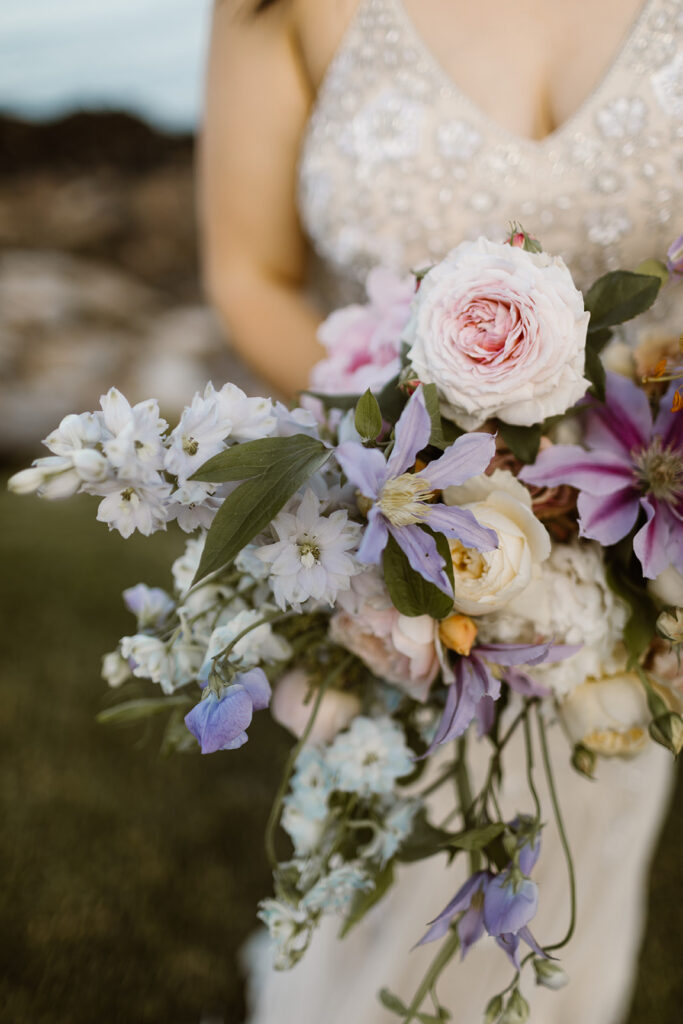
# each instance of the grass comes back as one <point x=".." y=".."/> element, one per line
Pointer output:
<point x="129" y="880"/>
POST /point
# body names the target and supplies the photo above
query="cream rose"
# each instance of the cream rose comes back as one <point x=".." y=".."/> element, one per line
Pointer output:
<point x="485" y="581"/>
<point x="609" y="715"/>
<point x="501" y="332"/>
<point x="288" y="707"/>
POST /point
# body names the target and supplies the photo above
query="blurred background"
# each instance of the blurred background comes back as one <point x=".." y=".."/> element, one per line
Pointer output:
<point x="129" y="880"/>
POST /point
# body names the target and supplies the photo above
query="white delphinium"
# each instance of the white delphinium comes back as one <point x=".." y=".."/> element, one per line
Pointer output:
<point x="75" y="460"/>
<point x="171" y="664"/>
<point x="310" y="558"/>
<point x="212" y="419"/>
<point x="294" y="421"/>
<point x="306" y="806"/>
<point x="395" y="827"/>
<point x="128" y="507"/>
<point x="333" y="893"/>
<point x="258" y="645"/>
<point x="185" y="566"/>
<point x="571" y="603"/>
<point x="290" y="928"/>
<point x="115" y="669"/>
<point x="133" y="436"/>
<point x="250" y="565"/>
<point x="150" y="605"/>
<point x="194" y="505"/>
<point x="369" y="757"/>
<point x="305" y="833"/>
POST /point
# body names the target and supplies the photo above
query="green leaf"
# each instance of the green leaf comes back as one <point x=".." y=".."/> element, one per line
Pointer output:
<point x="368" y="417"/>
<point x="391" y="400"/>
<point x="431" y="399"/>
<point x="255" y="458"/>
<point x="619" y="296"/>
<point x="640" y="627"/>
<point x="595" y="372"/>
<point x="342" y="402"/>
<point x="135" y="710"/>
<point x="410" y="593"/>
<point x="654" y="268"/>
<point x="364" y="901"/>
<point x="392" y="1002"/>
<point x="476" y="838"/>
<point x="598" y="339"/>
<point x="254" y="504"/>
<point x="523" y="442"/>
<point x="424" y="840"/>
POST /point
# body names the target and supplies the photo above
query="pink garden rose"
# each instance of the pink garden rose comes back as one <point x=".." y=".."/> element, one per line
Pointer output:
<point x="364" y="341"/>
<point x="501" y="332"/>
<point x="397" y="648"/>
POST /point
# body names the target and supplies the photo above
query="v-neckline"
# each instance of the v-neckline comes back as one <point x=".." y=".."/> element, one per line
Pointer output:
<point x="477" y="112"/>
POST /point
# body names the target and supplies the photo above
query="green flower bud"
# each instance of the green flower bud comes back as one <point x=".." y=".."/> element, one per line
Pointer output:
<point x="517" y="1009"/>
<point x="667" y="730"/>
<point x="493" y="1010"/>
<point x="584" y="760"/>
<point x="670" y="625"/>
<point x="550" y="974"/>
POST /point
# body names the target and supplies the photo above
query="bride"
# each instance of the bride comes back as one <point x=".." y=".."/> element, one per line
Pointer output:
<point x="341" y="134"/>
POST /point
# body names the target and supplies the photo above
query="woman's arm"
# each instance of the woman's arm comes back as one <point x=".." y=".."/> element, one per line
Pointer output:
<point x="252" y="249"/>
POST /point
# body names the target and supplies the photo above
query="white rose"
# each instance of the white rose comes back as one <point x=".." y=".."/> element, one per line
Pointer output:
<point x="668" y="587"/>
<point x="501" y="332"/>
<point x="337" y="709"/>
<point x="609" y="715"/>
<point x="486" y="581"/>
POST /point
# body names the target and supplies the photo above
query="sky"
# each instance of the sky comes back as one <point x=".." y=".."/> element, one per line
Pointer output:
<point x="145" y="56"/>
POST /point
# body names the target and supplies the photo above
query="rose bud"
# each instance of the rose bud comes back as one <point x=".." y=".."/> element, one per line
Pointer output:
<point x="290" y="709"/>
<point x="668" y="732"/>
<point x="458" y="633"/>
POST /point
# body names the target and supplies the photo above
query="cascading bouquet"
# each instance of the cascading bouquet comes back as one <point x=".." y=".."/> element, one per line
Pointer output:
<point x="468" y="528"/>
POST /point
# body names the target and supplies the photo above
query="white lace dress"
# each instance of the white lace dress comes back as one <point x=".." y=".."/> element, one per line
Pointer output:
<point x="397" y="166"/>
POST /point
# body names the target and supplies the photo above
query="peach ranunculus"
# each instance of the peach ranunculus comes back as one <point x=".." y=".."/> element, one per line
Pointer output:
<point x="289" y="707"/>
<point x="397" y="648"/>
<point x="608" y="715"/>
<point x="501" y="332"/>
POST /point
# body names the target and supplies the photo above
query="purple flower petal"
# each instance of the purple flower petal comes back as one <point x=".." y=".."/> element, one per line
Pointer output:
<point x="598" y="472"/>
<point x="421" y="551"/>
<point x="468" y="456"/>
<point x="607" y="519"/>
<point x="461" y="901"/>
<point x="669" y="425"/>
<point x="255" y="682"/>
<point x="412" y="434"/>
<point x="479" y="680"/>
<point x="524" y="933"/>
<point x="528" y="855"/>
<point x="651" y="543"/>
<point x="510" y="944"/>
<point x="523" y="684"/>
<point x="624" y="422"/>
<point x="217" y="723"/>
<point x="461" y="524"/>
<point x="486" y="716"/>
<point x="514" y="654"/>
<point x="507" y="909"/>
<point x="374" y="538"/>
<point x="364" y="467"/>
<point x="470" y="929"/>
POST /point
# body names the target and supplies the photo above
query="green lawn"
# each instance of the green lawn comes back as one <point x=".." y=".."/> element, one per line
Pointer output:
<point x="129" y="880"/>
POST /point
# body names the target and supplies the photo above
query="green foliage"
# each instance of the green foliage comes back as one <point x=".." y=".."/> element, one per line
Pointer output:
<point x="523" y="442"/>
<point x="424" y="840"/>
<point x="476" y="838"/>
<point x="392" y="1002"/>
<point x="273" y="469"/>
<point x="364" y="901"/>
<point x="136" y="710"/>
<point x="640" y="626"/>
<point x="368" y="417"/>
<point x="619" y="296"/>
<point x="595" y="372"/>
<point x="410" y="592"/>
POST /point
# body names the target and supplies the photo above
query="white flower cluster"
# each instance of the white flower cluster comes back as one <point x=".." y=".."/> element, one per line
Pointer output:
<point x="573" y="604"/>
<point x="122" y="454"/>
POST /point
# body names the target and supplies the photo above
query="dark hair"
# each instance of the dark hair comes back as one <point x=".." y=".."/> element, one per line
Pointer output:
<point x="262" y="4"/>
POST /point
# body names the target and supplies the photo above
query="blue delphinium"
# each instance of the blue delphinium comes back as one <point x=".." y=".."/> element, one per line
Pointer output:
<point x="369" y="757"/>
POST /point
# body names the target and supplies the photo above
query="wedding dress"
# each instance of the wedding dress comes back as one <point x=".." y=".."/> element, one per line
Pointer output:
<point x="396" y="167"/>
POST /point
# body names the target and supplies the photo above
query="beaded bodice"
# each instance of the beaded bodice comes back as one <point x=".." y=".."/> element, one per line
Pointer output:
<point x="398" y="165"/>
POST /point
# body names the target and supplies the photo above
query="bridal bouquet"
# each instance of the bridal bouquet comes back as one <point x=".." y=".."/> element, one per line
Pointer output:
<point x="468" y="529"/>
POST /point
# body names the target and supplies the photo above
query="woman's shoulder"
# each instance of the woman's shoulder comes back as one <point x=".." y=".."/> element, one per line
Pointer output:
<point x="319" y="26"/>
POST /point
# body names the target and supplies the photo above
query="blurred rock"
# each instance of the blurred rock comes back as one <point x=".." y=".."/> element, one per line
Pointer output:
<point x="98" y="275"/>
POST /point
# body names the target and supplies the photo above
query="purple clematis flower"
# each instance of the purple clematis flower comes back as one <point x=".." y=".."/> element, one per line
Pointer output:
<point x="220" y="723"/>
<point x="401" y="501"/>
<point x="501" y="905"/>
<point x="632" y="464"/>
<point x="475" y="688"/>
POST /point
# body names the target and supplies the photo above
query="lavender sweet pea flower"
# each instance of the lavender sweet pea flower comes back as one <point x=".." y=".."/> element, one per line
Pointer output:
<point x="632" y="464"/>
<point x="220" y="723"/>
<point x="401" y="501"/>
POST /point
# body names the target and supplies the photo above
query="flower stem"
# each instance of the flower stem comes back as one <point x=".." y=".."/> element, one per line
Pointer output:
<point x="530" y="766"/>
<point x="275" y="616"/>
<point x="274" y="816"/>
<point x="465" y="798"/>
<point x="561" y="830"/>
<point x="427" y="986"/>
